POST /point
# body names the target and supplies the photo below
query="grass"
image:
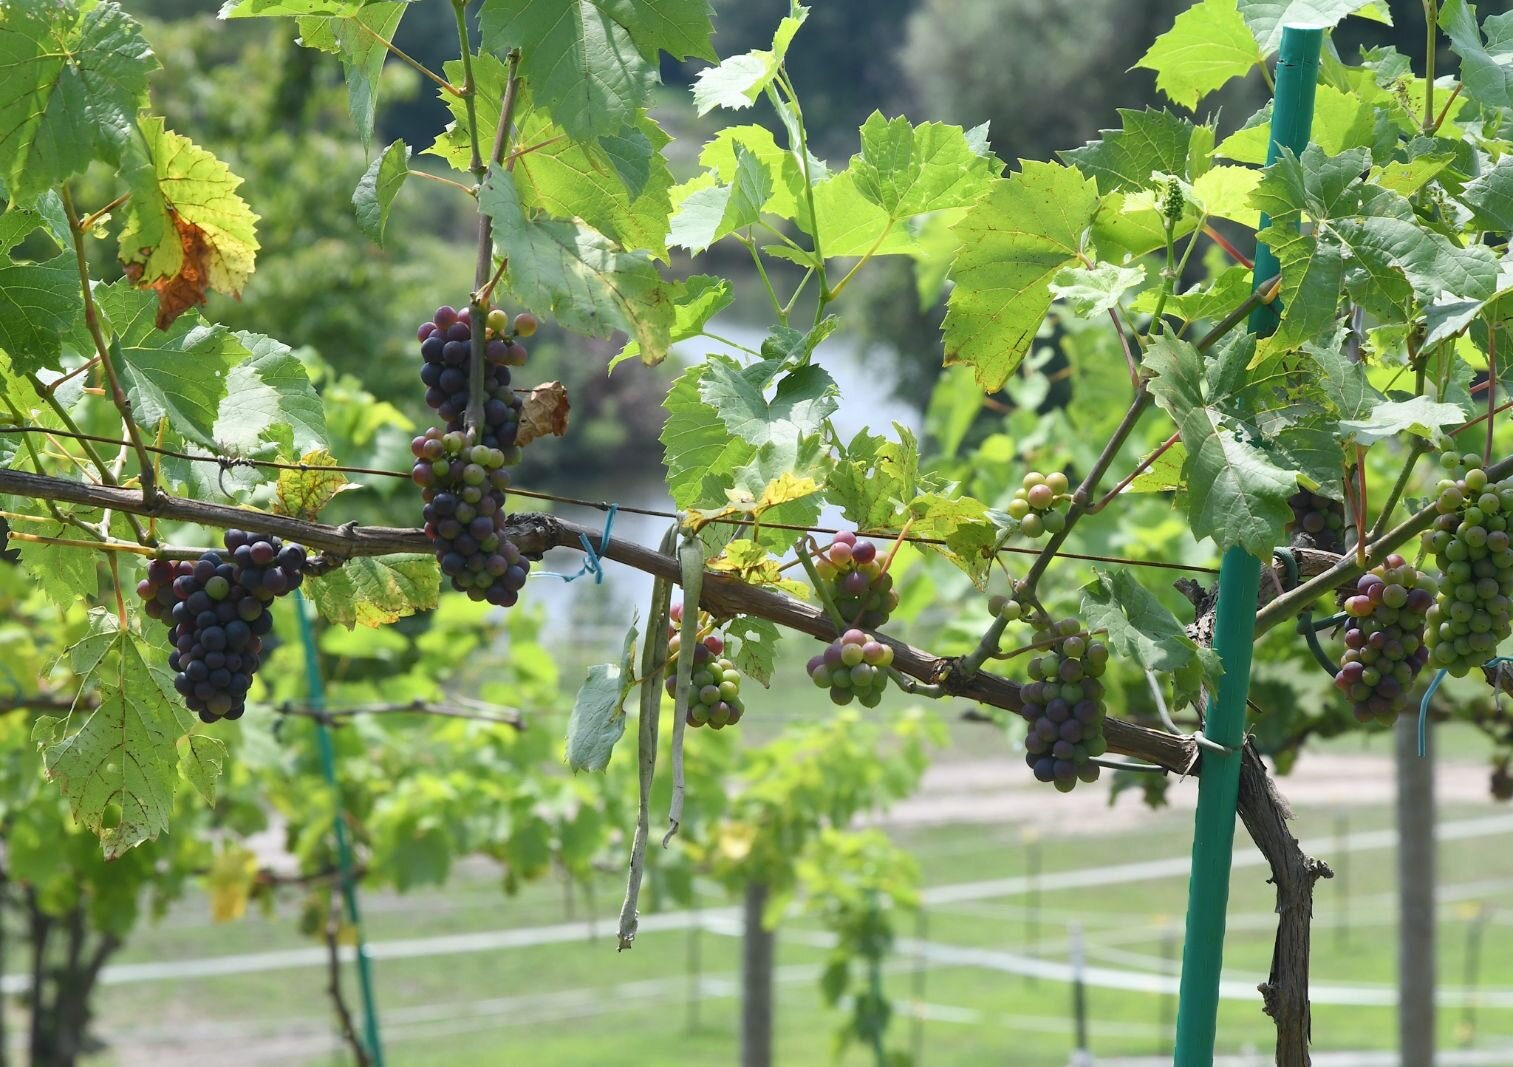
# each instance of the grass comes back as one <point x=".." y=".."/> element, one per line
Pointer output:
<point x="578" y="1002"/>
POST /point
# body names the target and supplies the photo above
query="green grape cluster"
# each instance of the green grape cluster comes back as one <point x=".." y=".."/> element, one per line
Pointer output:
<point x="716" y="695"/>
<point x="861" y="589"/>
<point x="1470" y="542"/>
<point x="853" y="667"/>
<point x="1063" y="703"/>
<point x="1038" y="505"/>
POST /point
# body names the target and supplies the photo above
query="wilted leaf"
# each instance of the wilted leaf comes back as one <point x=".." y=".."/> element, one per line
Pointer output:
<point x="543" y="413"/>
<point x="303" y="493"/>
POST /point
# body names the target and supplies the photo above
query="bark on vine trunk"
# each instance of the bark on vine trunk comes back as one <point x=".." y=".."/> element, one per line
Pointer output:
<point x="1415" y="881"/>
<point x="1284" y="994"/>
<point x="62" y="989"/>
<point x="757" y="945"/>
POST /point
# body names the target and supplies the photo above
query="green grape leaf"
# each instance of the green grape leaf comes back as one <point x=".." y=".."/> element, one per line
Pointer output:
<point x="849" y="223"/>
<point x="805" y="398"/>
<point x="778" y="485"/>
<point x="380" y="184"/>
<point x="577" y="276"/>
<point x="739" y="80"/>
<point x="1490" y="196"/>
<point x="186" y="231"/>
<point x="696" y="300"/>
<point x="617" y="183"/>
<point x="1208" y="44"/>
<point x="695" y="441"/>
<point x="1207" y="300"/>
<point x="1236" y="493"/>
<point x="752" y="646"/>
<point x="970" y="535"/>
<point x="336" y="9"/>
<point x="1485" y="68"/>
<point x="1225" y="192"/>
<point x="1095" y="290"/>
<point x="178" y="374"/>
<point x="201" y="760"/>
<point x="1140" y="628"/>
<point x="39" y="304"/>
<point x="119" y="769"/>
<point x="1267" y="17"/>
<point x="706" y="215"/>
<point x="1148" y="143"/>
<point x="304" y="493"/>
<point x="67" y="575"/>
<point x="598" y="718"/>
<point x="1014" y="241"/>
<point x="70" y="89"/>
<point x="908" y="170"/>
<point x="361" y="41"/>
<point x="1343" y="381"/>
<point x="875" y="478"/>
<point x="1316" y="451"/>
<point x="719" y="156"/>
<point x="786" y="347"/>
<point x="19" y="221"/>
<point x="1341" y="121"/>
<point x="592" y="63"/>
<point x="1420" y="416"/>
<point x="376" y="590"/>
<point x="1313" y="273"/>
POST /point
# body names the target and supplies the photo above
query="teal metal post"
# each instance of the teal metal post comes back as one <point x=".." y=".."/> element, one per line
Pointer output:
<point x="1234" y="635"/>
<point x="317" y="702"/>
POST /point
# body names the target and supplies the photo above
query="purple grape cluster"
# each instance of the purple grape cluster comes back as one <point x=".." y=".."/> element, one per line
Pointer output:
<point x="716" y="699"/>
<point x="853" y="667"/>
<point x="1063" y="703"/>
<point x="1319" y="517"/>
<point x="1384" y="638"/>
<point x="862" y="590"/>
<point x="217" y="613"/>
<point x="463" y="481"/>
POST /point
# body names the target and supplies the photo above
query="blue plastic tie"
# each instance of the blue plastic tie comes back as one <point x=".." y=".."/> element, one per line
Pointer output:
<point x="1423" y="706"/>
<point x="592" y="563"/>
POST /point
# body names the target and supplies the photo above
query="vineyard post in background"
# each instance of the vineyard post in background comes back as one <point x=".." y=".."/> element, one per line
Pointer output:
<point x="1234" y="639"/>
<point x="316" y="698"/>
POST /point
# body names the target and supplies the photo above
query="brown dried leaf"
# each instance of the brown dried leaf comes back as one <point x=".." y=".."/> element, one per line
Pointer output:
<point x="544" y="413"/>
<point x="188" y="286"/>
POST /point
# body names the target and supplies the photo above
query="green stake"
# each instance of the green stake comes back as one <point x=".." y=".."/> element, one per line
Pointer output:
<point x="317" y="701"/>
<point x="1234" y="636"/>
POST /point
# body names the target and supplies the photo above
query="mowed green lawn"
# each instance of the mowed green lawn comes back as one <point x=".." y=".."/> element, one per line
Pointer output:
<point x="573" y="1000"/>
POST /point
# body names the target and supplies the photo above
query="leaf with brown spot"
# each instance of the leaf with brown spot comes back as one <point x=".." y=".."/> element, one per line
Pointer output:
<point x="544" y="413"/>
<point x="304" y="493"/>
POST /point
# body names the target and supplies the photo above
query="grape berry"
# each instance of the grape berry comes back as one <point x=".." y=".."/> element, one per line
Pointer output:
<point x="462" y="480"/>
<point x="1063" y="703"/>
<point x="217" y="612"/>
<point x="853" y="667"/>
<point x="716" y="694"/>
<point x="1470" y="542"/>
<point x="862" y="591"/>
<point x="1384" y="648"/>
<point x="1320" y="518"/>
<point x="1035" y="504"/>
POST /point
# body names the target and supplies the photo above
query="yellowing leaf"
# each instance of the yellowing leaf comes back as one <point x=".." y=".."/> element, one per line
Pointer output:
<point x="304" y="493"/>
<point x="230" y="880"/>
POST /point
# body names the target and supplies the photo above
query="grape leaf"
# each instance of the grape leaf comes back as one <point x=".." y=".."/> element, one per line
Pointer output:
<point x="1420" y="416"/>
<point x="1340" y="121"/>
<point x="696" y="300"/>
<point x="544" y="413"/>
<point x="376" y="590"/>
<point x="1140" y="628"/>
<point x="1149" y="142"/>
<point x="778" y="486"/>
<point x="201" y="760"/>
<point x="1208" y="44"/>
<point x="1236" y="493"/>
<point x="1267" y="17"/>
<point x="1207" y="300"/>
<point x="70" y="88"/>
<point x="21" y="220"/>
<point x="380" y="184"/>
<point x="1485" y="68"/>
<point x="67" y="575"/>
<point x="1490" y="196"/>
<point x="119" y="769"/>
<point x="178" y="374"/>
<point x="695" y="440"/>
<point x="241" y="9"/>
<point x="591" y="63"/>
<point x="1091" y="291"/>
<point x="186" y="231"/>
<point x="39" y="304"/>
<point x="969" y="535"/>
<point x="739" y="80"/>
<point x="849" y="223"/>
<point x="361" y="41"/>
<point x="909" y="170"/>
<point x="708" y="214"/>
<point x="719" y="156"/>
<point x="303" y="493"/>
<point x="788" y="348"/>
<point x="1342" y="380"/>
<point x="875" y="479"/>
<point x="805" y="398"/>
<point x="755" y="647"/>
<point x="577" y="275"/>
<point x="1013" y="242"/>
<point x="598" y="717"/>
<point x="1225" y="192"/>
